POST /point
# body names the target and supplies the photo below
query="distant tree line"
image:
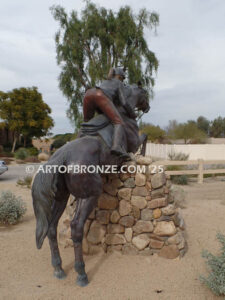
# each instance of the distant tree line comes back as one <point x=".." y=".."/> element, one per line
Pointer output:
<point x="191" y="131"/>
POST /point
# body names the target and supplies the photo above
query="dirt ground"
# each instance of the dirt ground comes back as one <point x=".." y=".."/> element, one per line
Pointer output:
<point x="26" y="273"/>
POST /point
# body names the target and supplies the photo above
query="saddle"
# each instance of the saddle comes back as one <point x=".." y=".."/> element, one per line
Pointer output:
<point x="98" y="126"/>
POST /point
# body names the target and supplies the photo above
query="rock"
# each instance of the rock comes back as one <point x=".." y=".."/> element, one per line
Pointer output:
<point x="114" y="218"/>
<point x="124" y="176"/>
<point x="94" y="249"/>
<point x="143" y="160"/>
<point x="165" y="228"/>
<point x="157" y="213"/>
<point x="115" y="239"/>
<point x="92" y="215"/>
<point x="168" y="210"/>
<point x="157" y="193"/>
<point x="110" y="189"/>
<point x="141" y="241"/>
<point x="177" y="196"/>
<point x="140" y="191"/>
<point x="148" y="186"/>
<point x="96" y="233"/>
<point x="115" y="228"/>
<point x="158" y="180"/>
<point x="129" y="249"/>
<point x="86" y="227"/>
<point x="128" y="234"/>
<point x="164" y="218"/>
<point x="117" y="183"/>
<point x="106" y="201"/>
<point x="127" y="221"/>
<point x="156" y="203"/>
<point x="176" y="239"/>
<point x="146" y="252"/>
<point x="135" y="212"/>
<point x="148" y="198"/>
<point x="143" y="226"/>
<point x="113" y="248"/>
<point x="129" y="183"/>
<point x="125" y="193"/>
<point x="170" y="252"/>
<point x="155" y="244"/>
<point x="139" y="201"/>
<point x="140" y="179"/>
<point x="146" y="214"/>
<point x="181" y="245"/>
<point x="124" y="208"/>
<point x="178" y="220"/>
<point x="102" y="216"/>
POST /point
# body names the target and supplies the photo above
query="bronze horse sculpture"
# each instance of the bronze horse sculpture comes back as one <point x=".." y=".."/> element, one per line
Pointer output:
<point x="50" y="191"/>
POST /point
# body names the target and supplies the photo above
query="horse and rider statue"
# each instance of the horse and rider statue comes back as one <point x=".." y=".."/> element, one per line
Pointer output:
<point x="104" y="139"/>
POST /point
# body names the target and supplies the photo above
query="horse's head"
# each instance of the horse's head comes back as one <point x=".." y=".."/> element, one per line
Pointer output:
<point x="139" y="98"/>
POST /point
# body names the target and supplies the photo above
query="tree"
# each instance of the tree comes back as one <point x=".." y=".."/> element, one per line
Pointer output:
<point x="217" y="128"/>
<point x="25" y="113"/>
<point x="187" y="131"/>
<point x="154" y="133"/>
<point x="203" y="124"/>
<point x="89" y="44"/>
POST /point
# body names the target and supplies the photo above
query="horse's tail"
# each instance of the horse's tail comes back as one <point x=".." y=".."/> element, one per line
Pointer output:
<point x="43" y="194"/>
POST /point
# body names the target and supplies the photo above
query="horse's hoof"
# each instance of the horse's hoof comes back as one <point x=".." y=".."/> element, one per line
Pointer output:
<point x="60" y="274"/>
<point x="82" y="280"/>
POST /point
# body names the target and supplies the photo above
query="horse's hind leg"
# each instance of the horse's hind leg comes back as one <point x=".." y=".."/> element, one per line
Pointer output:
<point x="57" y="211"/>
<point x="83" y="208"/>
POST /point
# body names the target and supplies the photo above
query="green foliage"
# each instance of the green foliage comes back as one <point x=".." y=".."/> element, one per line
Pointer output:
<point x="12" y="208"/>
<point x="21" y="153"/>
<point x="61" y="139"/>
<point x="217" y="128"/>
<point x="24" y="112"/>
<point x="203" y="124"/>
<point x="89" y="43"/>
<point x="154" y="133"/>
<point x="26" y="181"/>
<point x="180" y="179"/>
<point x="216" y="279"/>
<point x="186" y="131"/>
<point x="32" y="151"/>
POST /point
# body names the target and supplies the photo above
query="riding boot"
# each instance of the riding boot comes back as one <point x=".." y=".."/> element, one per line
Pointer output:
<point x="118" y="139"/>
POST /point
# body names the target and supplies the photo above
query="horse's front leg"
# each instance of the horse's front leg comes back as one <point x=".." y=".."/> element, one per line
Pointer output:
<point x="143" y="141"/>
<point x="83" y="208"/>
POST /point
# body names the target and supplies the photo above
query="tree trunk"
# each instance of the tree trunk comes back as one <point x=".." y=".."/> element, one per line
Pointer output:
<point x="24" y="141"/>
<point x="14" y="144"/>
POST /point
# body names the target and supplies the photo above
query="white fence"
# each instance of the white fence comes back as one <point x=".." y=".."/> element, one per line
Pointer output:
<point x="198" y="151"/>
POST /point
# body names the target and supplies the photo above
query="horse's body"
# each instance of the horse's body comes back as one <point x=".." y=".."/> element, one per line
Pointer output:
<point x="50" y="191"/>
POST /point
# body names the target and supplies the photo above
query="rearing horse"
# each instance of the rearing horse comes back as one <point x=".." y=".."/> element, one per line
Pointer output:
<point x="50" y="191"/>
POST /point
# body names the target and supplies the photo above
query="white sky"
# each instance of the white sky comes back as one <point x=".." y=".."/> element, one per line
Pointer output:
<point x="190" y="45"/>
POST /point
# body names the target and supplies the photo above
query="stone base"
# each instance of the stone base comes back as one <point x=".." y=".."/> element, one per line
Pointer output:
<point x="135" y="215"/>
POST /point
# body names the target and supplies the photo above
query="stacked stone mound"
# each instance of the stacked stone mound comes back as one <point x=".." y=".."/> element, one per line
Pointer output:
<point x="135" y="215"/>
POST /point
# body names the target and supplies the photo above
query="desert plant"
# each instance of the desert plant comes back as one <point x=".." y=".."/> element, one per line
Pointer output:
<point x="12" y="208"/>
<point x="21" y="153"/>
<point x="216" y="279"/>
<point x="178" y="179"/>
<point x="26" y="181"/>
<point x="43" y="156"/>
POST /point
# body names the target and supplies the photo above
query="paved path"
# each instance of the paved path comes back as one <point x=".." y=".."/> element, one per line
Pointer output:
<point x="18" y="171"/>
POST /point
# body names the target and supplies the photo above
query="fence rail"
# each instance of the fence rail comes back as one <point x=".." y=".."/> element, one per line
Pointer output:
<point x="200" y="171"/>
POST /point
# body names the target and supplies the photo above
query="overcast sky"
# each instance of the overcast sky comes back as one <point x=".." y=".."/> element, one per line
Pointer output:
<point x="190" y="45"/>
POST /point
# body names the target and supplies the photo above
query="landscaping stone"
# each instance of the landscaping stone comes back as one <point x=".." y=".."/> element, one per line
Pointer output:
<point x="158" y="180"/>
<point x="140" y="179"/>
<point x="125" y="193"/>
<point x="139" y="201"/>
<point x="165" y="228"/>
<point x="127" y="221"/>
<point x="143" y="226"/>
<point x="141" y="241"/>
<point x="170" y="252"/>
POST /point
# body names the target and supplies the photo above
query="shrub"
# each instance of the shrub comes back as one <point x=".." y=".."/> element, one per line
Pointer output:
<point x="32" y="151"/>
<point x="43" y="156"/>
<point x="12" y="208"/>
<point x="21" y="153"/>
<point x="216" y="279"/>
<point x="178" y="179"/>
<point x="26" y="181"/>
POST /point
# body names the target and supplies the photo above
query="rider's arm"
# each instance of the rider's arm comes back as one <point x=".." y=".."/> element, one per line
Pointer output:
<point x="124" y="103"/>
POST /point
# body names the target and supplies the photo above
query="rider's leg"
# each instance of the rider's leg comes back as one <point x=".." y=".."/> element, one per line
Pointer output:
<point x="89" y="105"/>
<point x="108" y="108"/>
